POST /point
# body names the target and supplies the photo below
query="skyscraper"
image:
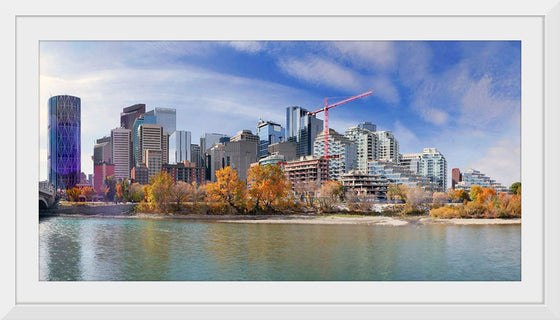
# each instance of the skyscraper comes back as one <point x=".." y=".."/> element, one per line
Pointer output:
<point x="209" y="139"/>
<point x="166" y="117"/>
<point x="152" y="137"/>
<point x="136" y="152"/>
<point x="180" y="146"/>
<point x="130" y="114"/>
<point x="64" y="151"/>
<point x="302" y="129"/>
<point x="269" y="132"/>
<point x="120" y="139"/>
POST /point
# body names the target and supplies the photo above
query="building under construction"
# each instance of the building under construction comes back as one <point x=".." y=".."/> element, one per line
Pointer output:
<point x="371" y="185"/>
<point x="307" y="170"/>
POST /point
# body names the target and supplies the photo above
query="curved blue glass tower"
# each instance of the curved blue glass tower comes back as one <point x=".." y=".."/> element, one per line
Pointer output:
<point x="64" y="154"/>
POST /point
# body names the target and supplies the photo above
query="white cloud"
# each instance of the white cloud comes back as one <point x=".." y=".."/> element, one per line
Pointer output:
<point x="316" y="70"/>
<point x="480" y="105"/>
<point x="501" y="162"/>
<point x="432" y="115"/>
<point x="369" y="54"/>
<point x="384" y="88"/>
<point x="248" y="46"/>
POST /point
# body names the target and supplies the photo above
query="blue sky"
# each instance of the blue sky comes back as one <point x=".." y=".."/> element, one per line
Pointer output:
<point x="461" y="97"/>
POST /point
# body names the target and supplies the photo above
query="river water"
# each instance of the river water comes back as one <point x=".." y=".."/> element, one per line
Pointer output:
<point x="75" y="248"/>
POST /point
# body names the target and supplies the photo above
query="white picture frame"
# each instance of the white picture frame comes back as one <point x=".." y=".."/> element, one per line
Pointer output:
<point x="25" y="23"/>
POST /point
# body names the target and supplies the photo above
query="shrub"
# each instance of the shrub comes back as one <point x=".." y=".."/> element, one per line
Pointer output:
<point x="448" y="212"/>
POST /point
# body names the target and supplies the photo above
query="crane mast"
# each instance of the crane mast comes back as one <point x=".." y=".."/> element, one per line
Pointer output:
<point x="326" y="108"/>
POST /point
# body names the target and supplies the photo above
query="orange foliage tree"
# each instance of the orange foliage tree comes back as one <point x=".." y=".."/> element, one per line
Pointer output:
<point x="267" y="185"/>
<point x="73" y="194"/>
<point x="88" y="192"/>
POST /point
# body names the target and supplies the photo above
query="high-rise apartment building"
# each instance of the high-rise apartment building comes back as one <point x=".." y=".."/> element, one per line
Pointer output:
<point x="302" y="129"/>
<point x="180" y="146"/>
<point x="367" y="125"/>
<point x="130" y="114"/>
<point x="269" y="132"/>
<point x="411" y="161"/>
<point x="64" y="150"/>
<point x="366" y="143"/>
<point x="343" y="154"/>
<point x="166" y="117"/>
<point x="473" y="177"/>
<point x="388" y="146"/>
<point x="434" y="167"/>
<point x="120" y="140"/>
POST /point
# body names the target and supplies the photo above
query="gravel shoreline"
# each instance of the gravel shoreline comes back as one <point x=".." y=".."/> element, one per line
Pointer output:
<point x="309" y="219"/>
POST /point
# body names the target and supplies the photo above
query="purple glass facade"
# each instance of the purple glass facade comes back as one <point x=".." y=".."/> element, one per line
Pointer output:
<point x="64" y="152"/>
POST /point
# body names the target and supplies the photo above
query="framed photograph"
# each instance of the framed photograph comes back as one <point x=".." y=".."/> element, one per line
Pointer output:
<point x="460" y="79"/>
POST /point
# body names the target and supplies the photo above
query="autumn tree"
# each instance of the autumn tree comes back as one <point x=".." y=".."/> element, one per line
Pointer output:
<point x="267" y="185"/>
<point x="415" y="198"/>
<point x="160" y="189"/>
<point x="73" y="194"/>
<point x="440" y="197"/>
<point x="88" y="192"/>
<point x="228" y="189"/>
<point x="396" y="192"/>
<point x="110" y="188"/>
<point x="180" y="192"/>
<point x="135" y="192"/>
<point x="459" y="195"/>
<point x="475" y="191"/>
<point x="331" y="192"/>
<point x="198" y="192"/>
<point x="119" y="192"/>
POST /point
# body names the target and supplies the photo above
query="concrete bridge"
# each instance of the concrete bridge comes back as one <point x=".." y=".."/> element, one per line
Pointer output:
<point x="47" y="195"/>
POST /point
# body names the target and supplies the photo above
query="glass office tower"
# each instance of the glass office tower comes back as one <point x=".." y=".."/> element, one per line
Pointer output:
<point x="64" y="151"/>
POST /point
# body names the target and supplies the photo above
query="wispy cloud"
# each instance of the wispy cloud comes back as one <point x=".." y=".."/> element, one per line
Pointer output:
<point x="248" y="46"/>
<point x="501" y="162"/>
<point x="372" y="55"/>
<point x="319" y="71"/>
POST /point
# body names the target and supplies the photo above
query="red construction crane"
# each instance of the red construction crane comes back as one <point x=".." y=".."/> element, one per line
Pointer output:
<point x="326" y="110"/>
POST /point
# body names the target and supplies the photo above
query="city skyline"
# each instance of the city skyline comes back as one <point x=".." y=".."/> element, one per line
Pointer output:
<point x="462" y="98"/>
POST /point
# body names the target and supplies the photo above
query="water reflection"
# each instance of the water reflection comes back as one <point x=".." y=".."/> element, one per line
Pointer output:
<point x="133" y="249"/>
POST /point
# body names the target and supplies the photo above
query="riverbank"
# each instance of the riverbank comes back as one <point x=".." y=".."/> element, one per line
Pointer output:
<point x="305" y="219"/>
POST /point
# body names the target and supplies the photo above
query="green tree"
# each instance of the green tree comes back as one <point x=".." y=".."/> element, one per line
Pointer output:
<point x="475" y="192"/>
<point x="515" y="188"/>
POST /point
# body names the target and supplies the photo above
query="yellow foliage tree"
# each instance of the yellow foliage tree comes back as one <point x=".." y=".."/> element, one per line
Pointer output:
<point x="228" y="189"/>
<point x="160" y="189"/>
<point x="88" y="192"/>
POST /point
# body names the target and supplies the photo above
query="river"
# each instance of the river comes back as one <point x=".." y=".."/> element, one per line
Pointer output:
<point x="101" y="249"/>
